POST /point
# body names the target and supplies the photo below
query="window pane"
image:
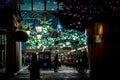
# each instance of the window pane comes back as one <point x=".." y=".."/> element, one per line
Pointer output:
<point x="38" y="5"/>
<point x="51" y="5"/>
<point x="26" y="5"/>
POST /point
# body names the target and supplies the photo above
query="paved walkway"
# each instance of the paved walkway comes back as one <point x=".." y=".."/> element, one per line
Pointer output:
<point x="64" y="73"/>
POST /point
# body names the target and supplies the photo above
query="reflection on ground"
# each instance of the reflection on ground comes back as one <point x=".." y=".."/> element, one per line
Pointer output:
<point x="64" y="73"/>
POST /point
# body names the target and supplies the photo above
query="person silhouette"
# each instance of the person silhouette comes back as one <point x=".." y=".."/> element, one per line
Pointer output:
<point x="34" y="68"/>
<point x="56" y="63"/>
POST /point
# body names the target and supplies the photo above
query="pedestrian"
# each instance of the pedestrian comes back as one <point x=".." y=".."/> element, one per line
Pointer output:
<point x="34" y="68"/>
<point x="56" y="63"/>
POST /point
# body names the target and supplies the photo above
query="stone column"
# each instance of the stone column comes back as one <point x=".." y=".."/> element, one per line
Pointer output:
<point x="18" y="55"/>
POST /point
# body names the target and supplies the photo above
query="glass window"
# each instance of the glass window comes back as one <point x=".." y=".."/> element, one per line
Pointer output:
<point x="26" y="5"/>
<point x="51" y="5"/>
<point x="38" y="5"/>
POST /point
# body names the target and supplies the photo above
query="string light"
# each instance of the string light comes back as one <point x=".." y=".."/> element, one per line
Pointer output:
<point x="78" y="14"/>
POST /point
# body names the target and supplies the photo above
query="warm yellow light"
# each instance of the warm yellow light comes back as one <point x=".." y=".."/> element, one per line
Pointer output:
<point x="100" y="28"/>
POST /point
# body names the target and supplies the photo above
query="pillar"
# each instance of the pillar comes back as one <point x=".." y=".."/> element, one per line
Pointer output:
<point x="18" y="56"/>
<point x="104" y="50"/>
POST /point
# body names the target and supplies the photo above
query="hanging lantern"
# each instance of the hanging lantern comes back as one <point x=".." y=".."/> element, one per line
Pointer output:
<point x="28" y="31"/>
<point x="39" y="35"/>
<point x="38" y="28"/>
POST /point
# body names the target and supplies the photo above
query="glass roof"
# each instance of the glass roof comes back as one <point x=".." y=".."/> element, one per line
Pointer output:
<point x="39" y="10"/>
<point x="50" y="5"/>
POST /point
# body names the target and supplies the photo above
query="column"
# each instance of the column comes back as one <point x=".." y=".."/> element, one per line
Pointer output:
<point x="104" y="50"/>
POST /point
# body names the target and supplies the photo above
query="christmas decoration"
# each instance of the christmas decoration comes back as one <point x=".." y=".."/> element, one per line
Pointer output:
<point x="78" y="14"/>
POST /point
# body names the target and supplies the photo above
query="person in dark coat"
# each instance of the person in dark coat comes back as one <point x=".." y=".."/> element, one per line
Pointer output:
<point x="34" y="68"/>
<point x="56" y="63"/>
